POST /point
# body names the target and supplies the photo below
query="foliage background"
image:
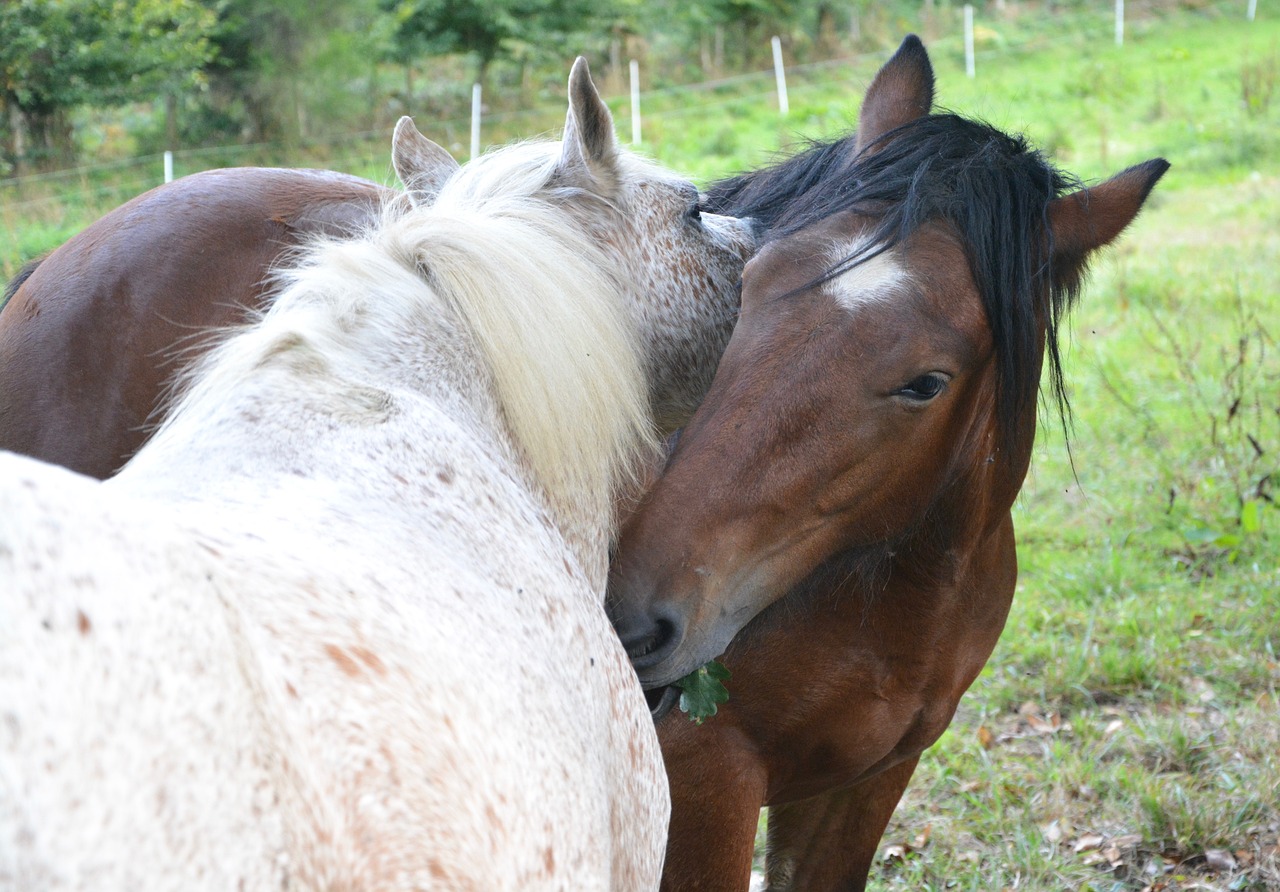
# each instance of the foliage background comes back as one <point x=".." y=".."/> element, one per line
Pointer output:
<point x="222" y="71"/>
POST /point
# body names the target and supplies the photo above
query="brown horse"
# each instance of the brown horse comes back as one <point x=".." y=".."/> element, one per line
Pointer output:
<point x="848" y="479"/>
<point x="89" y="337"/>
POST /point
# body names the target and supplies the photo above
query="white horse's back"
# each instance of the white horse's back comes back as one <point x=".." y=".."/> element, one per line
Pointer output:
<point x="160" y="750"/>
<point x="220" y="714"/>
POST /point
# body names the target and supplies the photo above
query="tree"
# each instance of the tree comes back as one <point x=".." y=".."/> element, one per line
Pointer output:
<point x="755" y="21"/>
<point x="57" y="56"/>
<point x="486" y="29"/>
<point x="285" y="68"/>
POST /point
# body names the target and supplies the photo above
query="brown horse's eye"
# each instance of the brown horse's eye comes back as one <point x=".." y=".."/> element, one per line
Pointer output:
<point x="924" y="388"/>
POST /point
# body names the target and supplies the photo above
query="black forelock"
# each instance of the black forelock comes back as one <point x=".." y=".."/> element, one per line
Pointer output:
<point x="765" y="194"/>
<point x="991" y="188"/>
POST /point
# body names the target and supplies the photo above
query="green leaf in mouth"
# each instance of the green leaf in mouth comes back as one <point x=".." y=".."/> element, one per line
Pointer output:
<point x="702" y="690"/>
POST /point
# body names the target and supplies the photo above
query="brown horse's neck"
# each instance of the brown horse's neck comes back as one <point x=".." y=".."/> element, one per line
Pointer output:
<point x="870" y="633"/>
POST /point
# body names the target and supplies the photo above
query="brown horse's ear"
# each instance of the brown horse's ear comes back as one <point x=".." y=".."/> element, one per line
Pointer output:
<point x="901" y="92"/>
<point x="420" y="164"/>
<point x="589" y="156"/>
<point x="1086" y="220"/>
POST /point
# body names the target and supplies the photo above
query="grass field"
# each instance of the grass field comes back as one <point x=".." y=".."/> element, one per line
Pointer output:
<point x="1126" y="733"/>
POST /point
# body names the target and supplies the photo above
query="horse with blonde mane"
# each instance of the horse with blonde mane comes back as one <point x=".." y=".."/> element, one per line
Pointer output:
<point x="339" y="624"/>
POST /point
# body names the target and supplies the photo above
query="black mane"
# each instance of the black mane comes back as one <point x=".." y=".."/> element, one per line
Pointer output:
<point x="993" y="190"/>
<point x="23" y="274"/>
<point x="767" y="193"/>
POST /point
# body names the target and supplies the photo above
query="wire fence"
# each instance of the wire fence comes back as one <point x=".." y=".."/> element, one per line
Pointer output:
<point x="55" y="204"/>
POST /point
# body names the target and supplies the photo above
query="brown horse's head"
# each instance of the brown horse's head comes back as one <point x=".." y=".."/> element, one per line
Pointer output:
<point x="877" y="398"/>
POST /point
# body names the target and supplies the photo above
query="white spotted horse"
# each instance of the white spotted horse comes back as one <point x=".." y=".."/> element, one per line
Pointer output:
<point x="339" y="624"/>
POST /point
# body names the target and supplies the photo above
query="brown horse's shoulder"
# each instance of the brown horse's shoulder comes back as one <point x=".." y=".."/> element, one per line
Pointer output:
<point x="304" y="201"/>
<point x="99" y="325"/>
<point x="336" y="204"/>
<point x="298" y="199"/>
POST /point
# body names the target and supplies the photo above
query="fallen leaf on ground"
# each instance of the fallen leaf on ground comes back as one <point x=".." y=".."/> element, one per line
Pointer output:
<point x="1220" y="859"/>
<point x="1037" y="721"/>
<point x="1116" y="849"/>
<point x="1088" y="842"/>
<point x="922" y="838"/>
<point x="896" y="852"/>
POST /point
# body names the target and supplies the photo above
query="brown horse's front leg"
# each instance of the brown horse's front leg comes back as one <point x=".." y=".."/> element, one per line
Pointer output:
<point x="717" y="790"/>
<point x="827" y="843"/>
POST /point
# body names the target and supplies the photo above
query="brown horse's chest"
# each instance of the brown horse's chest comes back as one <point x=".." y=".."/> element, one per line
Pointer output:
<point x="866" y="683"/>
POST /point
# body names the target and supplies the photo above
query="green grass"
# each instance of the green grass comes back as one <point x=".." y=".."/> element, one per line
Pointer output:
<point x="1129" y="720"/>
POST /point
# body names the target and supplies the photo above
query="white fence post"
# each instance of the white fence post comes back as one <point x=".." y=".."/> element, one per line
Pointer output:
<point x="969" y="67"/>
<point x="1253" y="10"/>
<point x="780" y="74"/>
<point x="475" y="120"/>
<point x="1119" y="22"/>
<point x="168" y="166"/>
<point x="635" y="102"/>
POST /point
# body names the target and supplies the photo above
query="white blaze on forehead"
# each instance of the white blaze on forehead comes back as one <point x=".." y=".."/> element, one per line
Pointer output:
<point x="871" y="281"/>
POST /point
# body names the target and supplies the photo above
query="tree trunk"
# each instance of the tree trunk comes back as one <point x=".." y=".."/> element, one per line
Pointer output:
<point x="299" y="110"/>
<point x="825" y="38"/>
<point x="170" y="121"/>
<point x="50" y="139"/>
<point x="18" y="133"/>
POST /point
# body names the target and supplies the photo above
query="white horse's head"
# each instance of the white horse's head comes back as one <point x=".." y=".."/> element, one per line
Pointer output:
<point x="677" y="268"/>
<point x="683" y="265"/>
<point x="600" y="293"/>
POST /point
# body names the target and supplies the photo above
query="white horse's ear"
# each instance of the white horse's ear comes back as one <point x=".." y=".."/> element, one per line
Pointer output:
<point x="420" y="164"/>
<point x="901" y="92"/>
<point x="589" y="155"/>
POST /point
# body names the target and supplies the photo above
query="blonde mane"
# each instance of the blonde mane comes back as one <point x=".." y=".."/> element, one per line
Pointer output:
<point x="518" y="264"/>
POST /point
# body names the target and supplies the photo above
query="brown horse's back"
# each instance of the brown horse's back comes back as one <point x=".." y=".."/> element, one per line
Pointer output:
<point x="90" y="338"/>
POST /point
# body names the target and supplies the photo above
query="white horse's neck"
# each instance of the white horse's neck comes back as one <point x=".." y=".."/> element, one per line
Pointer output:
<point x="507" y="322"/>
